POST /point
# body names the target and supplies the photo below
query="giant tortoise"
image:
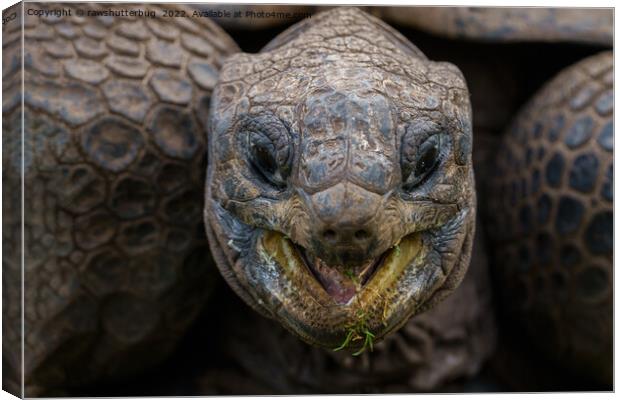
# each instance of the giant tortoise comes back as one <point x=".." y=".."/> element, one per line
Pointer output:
<point x="338" y="198"/>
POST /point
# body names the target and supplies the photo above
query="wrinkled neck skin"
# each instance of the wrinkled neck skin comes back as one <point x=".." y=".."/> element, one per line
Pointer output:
<point x="340" y="194"/>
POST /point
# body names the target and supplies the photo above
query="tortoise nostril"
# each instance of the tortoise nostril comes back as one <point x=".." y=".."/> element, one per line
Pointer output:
<point x="362" y="234"/>
<point x="329" y="235"/>
<point x="345" y="237"/>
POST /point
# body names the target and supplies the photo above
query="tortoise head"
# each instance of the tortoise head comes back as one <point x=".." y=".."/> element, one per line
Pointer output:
<point x="340" y="194"/>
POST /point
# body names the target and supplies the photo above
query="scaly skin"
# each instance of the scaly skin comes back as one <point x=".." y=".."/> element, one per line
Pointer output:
<point x="116" y="261"/>
<point x="319" y="166"/>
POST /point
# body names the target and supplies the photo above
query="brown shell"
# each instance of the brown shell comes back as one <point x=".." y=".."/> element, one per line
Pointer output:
<point x="550" y="218"/>
<point x="116" y="262"/>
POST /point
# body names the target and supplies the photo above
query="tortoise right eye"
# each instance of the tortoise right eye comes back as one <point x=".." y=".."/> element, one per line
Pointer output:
<point x="264" y="159"/>
<point x="427" y="160"/>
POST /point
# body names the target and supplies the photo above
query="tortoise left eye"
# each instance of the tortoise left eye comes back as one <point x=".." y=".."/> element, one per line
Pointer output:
<point x="263" y="158"/>
<point x="427" y="160"/>
<point x="424" y="163"/>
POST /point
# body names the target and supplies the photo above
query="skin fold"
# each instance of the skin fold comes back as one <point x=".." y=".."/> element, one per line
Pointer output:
<point x="340" y="196"/>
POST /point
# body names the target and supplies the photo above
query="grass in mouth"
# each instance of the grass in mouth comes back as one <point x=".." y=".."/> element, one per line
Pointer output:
<point x="356" y="333"/>
<point x="359" y="331"/>
<point x="351" y="275"/>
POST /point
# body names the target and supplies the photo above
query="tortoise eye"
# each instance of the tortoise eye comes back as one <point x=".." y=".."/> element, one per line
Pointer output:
<point x="417" y="168"/>
<point x="427" y="159"/>
<point x="264" y="159"/>
<point x="268" y="148"/>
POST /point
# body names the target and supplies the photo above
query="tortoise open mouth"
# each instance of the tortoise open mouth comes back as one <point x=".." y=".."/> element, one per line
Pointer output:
<point x="341" y="283"/>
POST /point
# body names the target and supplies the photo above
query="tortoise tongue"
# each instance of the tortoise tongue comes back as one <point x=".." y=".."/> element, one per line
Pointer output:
<point x="340" y="282"/>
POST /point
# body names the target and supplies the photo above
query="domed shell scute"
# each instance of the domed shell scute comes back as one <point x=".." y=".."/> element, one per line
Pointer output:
<point x="132" y="197"/>
<point x="171" y="87"/>
<point x="86" y="70"/>
<point x="127" y="66"/>
<point x="94" y="229"/>
<point x="60" y="48"/>
<point x="165" y="53"/>
<point x="175" y="132"/>
<point x="139" y="236"/>
<point x="133" y="30"/>
<point x="203" y="73"/>
<point x="105" y="271"/>
<point x="90" y="48"/>
<point x="78" y="188"/>
<point x="123" y="45"/>
<point x="128" y="98"/>
<point x="112" y="143"/>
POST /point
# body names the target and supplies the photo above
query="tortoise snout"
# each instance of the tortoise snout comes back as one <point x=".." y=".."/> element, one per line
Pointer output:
<point x="345" y="226"/>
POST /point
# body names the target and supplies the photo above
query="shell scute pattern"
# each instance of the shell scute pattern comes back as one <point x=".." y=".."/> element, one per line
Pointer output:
<point x="132" y="197"/>
<point x="40" y="32"/>
<point x="127" y="66"/>
<point x="568" y="278"/>
<point x="203" y="73"/>
<point x="86" y="71"/>
<point x="44" y="64"/>
<point x="128" y="98"/>
<point x="140" y="236"/>
<point x="107" y="242"/>
<point x="94" y="31"/>
<point x="175" y="132"/>
<point x="112" y="143"/>
<point x="68" y="30"/>
<point x="605" y="103"/>
<point x="197" y="45"/>
<point x="165" y="53"/>
<point x="79" y="188"/>
<point x="161" y="30"/>
<point x="122" y="45"/>
<point x="133" y="30"/>
<point x="90" y="47"/>
<point x="171" y="87"/>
